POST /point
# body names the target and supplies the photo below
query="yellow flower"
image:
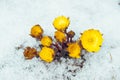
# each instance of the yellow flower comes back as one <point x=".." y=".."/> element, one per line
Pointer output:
<point x="91" y="40"/>
<point x="36" y="31"/>
<point x="60" y="36"/>
<point x="46" y="41"/>
<point x="74" y="50"/>
<point x="61" y="23"/>
<point x="47" y="54"/>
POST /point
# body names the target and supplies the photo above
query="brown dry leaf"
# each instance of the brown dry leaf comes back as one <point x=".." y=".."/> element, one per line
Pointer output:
<point x="29" y="53"/>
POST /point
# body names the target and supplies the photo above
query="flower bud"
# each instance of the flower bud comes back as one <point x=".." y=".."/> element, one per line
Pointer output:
<point x="74" y="50"/>
<point x="47" y="54"/>
<point x="36" y="31"/>
<point x="46" y="41"/>
<point x="60" y="36"/>
<point x="61" y="23"/>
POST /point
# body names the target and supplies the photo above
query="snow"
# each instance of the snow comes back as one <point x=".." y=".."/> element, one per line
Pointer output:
<point x="17" y="17"/>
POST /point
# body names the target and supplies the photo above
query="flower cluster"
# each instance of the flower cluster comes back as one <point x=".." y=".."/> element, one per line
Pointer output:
<point x="63" y="44"/>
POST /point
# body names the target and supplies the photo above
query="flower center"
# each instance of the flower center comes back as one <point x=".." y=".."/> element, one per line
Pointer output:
<point x="91" y="40"/>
